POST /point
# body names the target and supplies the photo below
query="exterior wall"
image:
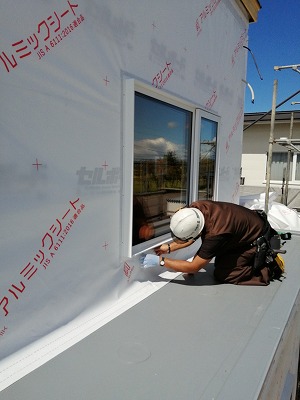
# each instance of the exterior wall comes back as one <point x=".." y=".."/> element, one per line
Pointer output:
<point x="64" y="66"/>
<point x="254" y="169"/>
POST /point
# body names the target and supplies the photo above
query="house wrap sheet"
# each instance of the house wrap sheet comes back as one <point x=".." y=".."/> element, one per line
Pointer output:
<point x="62" y="70"/>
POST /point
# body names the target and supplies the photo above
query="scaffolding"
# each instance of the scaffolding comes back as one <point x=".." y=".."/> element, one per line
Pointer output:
<point x="292" y="145"/>
<point x="289" y="143"/>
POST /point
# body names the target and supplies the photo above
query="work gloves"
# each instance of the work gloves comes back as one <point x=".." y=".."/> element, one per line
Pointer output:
<point x="149" y="261"/>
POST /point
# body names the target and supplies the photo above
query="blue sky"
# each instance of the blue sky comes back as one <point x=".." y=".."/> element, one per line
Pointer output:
<point x="274" y="41"/>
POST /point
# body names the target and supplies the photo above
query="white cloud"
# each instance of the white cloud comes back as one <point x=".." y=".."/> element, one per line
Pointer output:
<point x="172" y="124"/>
<point x="154" y="148"/>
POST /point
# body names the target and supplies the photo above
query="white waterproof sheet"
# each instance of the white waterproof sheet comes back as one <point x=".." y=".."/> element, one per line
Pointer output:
<point x="62" y="70"/>
<point x="280" y="217"/>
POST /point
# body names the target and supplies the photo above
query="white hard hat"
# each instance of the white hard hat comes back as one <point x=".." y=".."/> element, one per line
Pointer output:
<point x="187" y="223"/>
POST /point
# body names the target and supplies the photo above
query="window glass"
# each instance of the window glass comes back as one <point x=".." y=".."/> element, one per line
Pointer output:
<point x="297" y="174"/>
<point x="278" y="166"/>
<point x="207" y="158"/>
<point x="162" y="140"/>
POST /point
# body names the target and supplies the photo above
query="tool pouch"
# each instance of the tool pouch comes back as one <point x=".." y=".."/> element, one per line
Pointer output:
<point x="267" y="248"/>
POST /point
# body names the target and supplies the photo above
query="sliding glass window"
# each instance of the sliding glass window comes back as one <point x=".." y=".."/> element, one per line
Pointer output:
<point x="161" y="173"/>
<point x="169" y="160"/>
<point x="207" y="158"/>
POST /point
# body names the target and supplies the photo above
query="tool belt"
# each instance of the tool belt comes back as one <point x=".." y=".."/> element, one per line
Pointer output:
<point x="267" y="249"/>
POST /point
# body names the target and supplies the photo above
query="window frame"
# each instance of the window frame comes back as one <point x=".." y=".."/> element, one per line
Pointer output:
<point x="130" y="87"/>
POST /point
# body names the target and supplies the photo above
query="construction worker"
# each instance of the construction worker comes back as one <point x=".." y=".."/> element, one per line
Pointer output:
<point x="228" y="233"/>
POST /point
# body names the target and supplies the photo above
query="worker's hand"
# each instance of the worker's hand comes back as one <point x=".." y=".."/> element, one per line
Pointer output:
<point x="163" y="249"/>
<point x="151" y="260"/>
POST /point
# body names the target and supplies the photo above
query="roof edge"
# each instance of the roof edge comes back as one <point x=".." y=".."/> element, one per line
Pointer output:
<point x="262" y="117"/>
<point x="252" y="8"/>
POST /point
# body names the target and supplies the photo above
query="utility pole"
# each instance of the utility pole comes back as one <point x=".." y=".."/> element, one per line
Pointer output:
<point x="271" y="140"/>
<point x="294" y="67"/>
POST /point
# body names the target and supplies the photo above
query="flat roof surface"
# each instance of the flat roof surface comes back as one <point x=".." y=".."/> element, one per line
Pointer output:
<point x="192" y="339"/>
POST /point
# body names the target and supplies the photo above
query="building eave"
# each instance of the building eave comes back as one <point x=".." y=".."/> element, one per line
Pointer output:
<point x="280" y="116"/>
<point x="251" y="7"/>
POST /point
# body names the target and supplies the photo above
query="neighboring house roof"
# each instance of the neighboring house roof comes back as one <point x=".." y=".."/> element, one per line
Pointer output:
<point x="261" y="117"/>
